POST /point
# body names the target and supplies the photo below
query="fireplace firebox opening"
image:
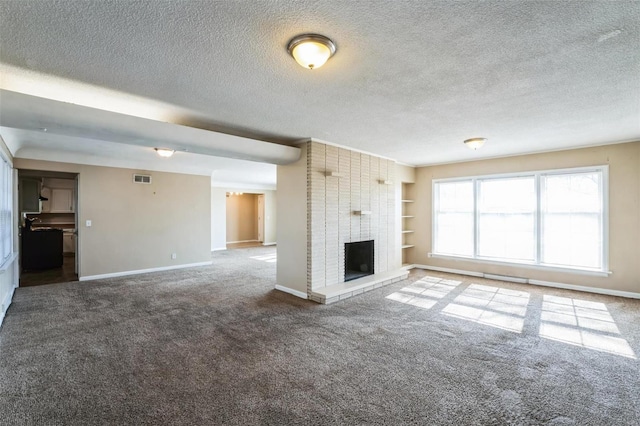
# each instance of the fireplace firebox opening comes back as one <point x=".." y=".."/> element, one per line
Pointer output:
<point x="358" y="259"/>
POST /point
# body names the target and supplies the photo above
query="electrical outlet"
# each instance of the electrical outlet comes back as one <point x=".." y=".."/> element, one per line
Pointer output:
<point x="88" y="224"/>
<point x="174" y="256"/>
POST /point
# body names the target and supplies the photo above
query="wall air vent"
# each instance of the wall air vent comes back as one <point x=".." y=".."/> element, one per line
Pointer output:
<point x="141" y="178"/>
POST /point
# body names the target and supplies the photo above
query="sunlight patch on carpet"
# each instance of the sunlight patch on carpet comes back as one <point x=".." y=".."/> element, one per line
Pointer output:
<point x="425" y="292"/>
<point x="582" y="323"/>
<point x="493" y="306"/>
<point x="269" y="258"/>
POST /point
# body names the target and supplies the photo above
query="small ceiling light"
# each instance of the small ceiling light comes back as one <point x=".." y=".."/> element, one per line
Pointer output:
<point x="163" y="152"/>
<point x="475" y="143"/>
<point x="311" y="50"/>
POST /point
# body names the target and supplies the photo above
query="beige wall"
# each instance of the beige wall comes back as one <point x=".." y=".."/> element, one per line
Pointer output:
<point x="624" y="212"/>
<point x="292" y="225"/>
<point x="270" y="215"/>
<point x="242" y="218"/>
<point x="218" y="219"/>
<point x="137" y="226"/>
<point x="405" y="174"/>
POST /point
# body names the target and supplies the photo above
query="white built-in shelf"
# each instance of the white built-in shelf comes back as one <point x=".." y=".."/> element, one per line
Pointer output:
<point x="408" y="212"/>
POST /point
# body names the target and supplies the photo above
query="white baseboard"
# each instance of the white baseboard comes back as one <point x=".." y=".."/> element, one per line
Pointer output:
<point x="292" y="291"/>
<point x="143" y="271"/>
<point x="518" y="280"/>
<point x="6" y="303"/>
<point x="521" y="280"/>
<point x="597" y="290"/>
<point x="218" y="249"/>
<point x="269" y="244"/>
<point x="243" y="241"/>
<point x="450" y="270"/>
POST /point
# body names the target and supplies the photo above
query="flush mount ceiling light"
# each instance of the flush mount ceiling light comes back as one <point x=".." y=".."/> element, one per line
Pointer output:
<point x="475" y="143"/>
<point x="311" y="51"/>
<point x="164" y="152"/>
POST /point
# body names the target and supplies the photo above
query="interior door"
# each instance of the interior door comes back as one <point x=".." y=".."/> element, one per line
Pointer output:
<point x="261" y="218"/>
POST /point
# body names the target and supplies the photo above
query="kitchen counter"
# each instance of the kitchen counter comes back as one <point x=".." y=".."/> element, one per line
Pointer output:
<point x="52" y="220"/>
<point x="63" y="226"/>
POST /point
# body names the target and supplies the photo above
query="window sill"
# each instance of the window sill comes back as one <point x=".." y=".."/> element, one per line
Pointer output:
<point x="8" y="262"/>
<point x="549" y="268"/>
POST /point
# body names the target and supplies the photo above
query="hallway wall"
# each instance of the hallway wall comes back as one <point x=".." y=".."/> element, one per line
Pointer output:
<point x="242" y="217"/>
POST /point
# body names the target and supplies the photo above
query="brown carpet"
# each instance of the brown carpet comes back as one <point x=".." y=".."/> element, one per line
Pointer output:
<point x="218" y="346"/>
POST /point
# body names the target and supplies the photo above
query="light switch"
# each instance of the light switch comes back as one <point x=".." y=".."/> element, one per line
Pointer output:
<point x="88" y="224"/>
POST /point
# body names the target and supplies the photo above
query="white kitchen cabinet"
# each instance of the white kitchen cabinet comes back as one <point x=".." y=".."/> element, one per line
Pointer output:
<point x="61" y="200"/>
<point x="68" y="242"/>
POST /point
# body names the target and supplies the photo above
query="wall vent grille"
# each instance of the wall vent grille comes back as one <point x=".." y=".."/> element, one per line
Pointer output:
<point x="141" y="178"/>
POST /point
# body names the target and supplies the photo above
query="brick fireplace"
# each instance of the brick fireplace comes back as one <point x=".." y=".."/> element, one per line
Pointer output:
<point x="350" y="197"/>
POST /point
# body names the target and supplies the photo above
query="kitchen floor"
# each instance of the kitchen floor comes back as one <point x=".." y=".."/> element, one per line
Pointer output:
<point x="52" y="276"/>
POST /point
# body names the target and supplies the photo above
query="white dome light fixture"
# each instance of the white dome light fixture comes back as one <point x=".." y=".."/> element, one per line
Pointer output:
<point x="475" y="143"/>
<point x="164" y="152"/>
<point x="311" y="51"/>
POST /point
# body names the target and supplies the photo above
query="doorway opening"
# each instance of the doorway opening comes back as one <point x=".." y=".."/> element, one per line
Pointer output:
<point x="245" y="220"/>
<point x="48" y="232"/>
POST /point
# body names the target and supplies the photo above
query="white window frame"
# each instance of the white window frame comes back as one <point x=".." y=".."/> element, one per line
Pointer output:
<point x="6" y="196"/>
<point x="536" y="264"/>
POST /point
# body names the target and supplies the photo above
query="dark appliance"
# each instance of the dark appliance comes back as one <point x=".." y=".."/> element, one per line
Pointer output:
<point x="41" y="249"/>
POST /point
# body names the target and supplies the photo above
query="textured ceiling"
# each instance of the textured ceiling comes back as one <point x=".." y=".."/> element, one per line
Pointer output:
<point x="410" y="79"/>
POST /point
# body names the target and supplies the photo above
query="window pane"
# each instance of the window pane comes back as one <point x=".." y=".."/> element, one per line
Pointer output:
<point x="453" y="218"/>
<point x="506" y="218"/>
<point x="572" y="219"/>
<point x="554" y="218"/>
